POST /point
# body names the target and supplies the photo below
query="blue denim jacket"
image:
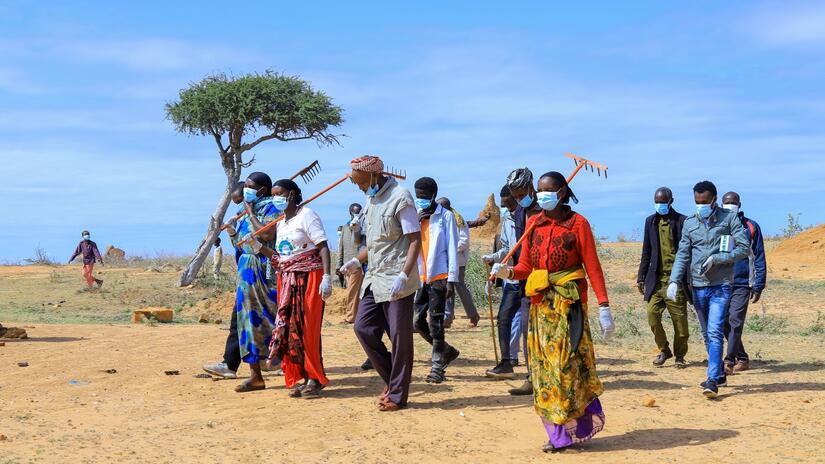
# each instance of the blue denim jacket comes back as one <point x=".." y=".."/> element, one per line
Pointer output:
<point x="701" y="239"/>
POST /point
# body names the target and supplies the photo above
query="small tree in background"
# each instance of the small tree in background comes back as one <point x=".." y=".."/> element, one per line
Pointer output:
<point x="793" y="227"/>
<point x="241" y="112"/>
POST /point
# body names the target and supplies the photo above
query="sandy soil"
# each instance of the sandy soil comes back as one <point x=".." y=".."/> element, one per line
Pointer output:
<point x="64" y="407"/>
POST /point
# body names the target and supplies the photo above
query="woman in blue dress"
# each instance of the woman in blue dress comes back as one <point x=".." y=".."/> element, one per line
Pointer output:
<point x="255" y="303"/>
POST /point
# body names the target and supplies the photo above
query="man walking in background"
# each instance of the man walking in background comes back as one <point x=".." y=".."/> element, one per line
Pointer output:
<point x="749" y="276"/>
<point x="512" y="313"/>
<point x="91" y="254"/>
<point x="663" y="231"/>
<point x="713" y="240"/>
<point x="217" y="258"/>
<point x="349" y="246"/>
<point x="463" y="256"/>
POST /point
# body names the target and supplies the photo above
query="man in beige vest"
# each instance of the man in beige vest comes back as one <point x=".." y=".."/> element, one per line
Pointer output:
<point x="349" y="246"/>
<point x="393" y="243"/>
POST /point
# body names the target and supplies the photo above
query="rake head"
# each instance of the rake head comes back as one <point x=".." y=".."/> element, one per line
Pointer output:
<point x="309" y="172"/>
<point x="592" y="166"/>
<point x="397" y="173"/>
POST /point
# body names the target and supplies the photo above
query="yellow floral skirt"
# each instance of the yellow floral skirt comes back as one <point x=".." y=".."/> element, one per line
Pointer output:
<point x="564" y="382"/>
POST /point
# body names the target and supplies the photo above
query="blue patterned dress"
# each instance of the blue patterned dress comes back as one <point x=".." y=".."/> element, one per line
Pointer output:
<point x="255" y="302"/>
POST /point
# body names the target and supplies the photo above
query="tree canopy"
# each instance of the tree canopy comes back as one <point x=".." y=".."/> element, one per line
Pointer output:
<point x="272" y="105"/>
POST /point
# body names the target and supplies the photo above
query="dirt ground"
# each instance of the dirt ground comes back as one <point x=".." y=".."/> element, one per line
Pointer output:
<point x="64" y="407"/>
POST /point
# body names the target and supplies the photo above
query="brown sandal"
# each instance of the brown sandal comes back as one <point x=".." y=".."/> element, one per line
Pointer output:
<point x="388" y="406"/>
<point x="248" y="387"/>
<point x="385" y="395"/>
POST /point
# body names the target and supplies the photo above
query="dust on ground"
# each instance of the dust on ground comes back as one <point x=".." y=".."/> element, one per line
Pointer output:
<point x="65" y="405"/>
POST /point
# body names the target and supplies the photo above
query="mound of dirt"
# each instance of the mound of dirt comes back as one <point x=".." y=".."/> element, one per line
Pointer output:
<point x="486" y="234"/>
<point x="114" y="255"/>
<point x="337" y="303"/>
<point x="218" y="308"/>
<point x="802" y="256"/>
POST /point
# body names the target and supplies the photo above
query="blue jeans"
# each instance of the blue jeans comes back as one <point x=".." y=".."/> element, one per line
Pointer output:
<point x="518" y="330"/>
<point x="711" y="305"/>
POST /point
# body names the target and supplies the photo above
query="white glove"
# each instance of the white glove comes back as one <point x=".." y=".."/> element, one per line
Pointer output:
<point x="489" y="259"/>
<point x="325" y="289"/>
<point x="707" y="264"/>
<point x="606" y="321"/>
<point x="398" y="285"/>
<point x="672" y="289"/>
<point x="254" y="244"/>
<point x="501" y="271"/>
<point x="350" y="266"/>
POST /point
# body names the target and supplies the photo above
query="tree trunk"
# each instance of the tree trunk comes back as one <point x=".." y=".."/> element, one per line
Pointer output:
<point x="214" y="229"/>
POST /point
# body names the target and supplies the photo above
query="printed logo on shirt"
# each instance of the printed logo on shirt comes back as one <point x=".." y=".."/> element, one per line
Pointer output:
<point x="285" y="248"/>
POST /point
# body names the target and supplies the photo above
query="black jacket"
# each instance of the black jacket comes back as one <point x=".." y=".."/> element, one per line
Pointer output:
<point x="649" y="265"/>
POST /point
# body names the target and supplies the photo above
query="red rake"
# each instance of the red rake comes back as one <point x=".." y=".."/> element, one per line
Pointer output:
<point x="393" y="173"/>
<point x="307" y="174"/>
<point x="580" y="163"/>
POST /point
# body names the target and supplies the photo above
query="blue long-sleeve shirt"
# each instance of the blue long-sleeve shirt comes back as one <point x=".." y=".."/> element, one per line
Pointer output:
<point x="752" y="272"/>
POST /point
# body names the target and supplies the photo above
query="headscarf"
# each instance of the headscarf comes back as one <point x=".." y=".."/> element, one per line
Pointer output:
<point x="367" y="163"/>
<point x="292" y="187"/>
<point x="561" y="180"/>
<point x="261" y="180"/>
<point x="520" y="178"/>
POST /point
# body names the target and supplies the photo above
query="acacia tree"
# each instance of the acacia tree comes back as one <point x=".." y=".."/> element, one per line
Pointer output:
<point x="241" y="112"/>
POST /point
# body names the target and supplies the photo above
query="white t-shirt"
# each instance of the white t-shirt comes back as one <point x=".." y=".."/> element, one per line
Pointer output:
<point x="299" y="234"/>
<point x="408" y="217"/>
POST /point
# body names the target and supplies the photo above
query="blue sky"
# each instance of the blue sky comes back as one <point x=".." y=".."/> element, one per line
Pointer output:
<point x="664" y="93"/>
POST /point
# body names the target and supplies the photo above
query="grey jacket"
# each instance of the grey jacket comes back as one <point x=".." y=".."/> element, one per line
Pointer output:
<point x="701" y="239"/>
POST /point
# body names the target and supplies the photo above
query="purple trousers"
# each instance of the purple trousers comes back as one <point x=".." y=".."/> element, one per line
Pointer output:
<point x="395" y="318"/>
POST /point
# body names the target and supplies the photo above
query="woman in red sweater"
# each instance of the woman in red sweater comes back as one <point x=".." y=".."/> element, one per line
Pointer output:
<point x="558" y="255"/>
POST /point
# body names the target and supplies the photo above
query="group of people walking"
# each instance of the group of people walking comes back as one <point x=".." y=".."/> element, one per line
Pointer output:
<point x="403" y="257"/>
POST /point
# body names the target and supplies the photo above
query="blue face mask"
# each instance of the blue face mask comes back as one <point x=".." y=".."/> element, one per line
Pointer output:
<point x="704" y="211"/>
<point x="547" y="200"/>
<point x="280" y="203"/>
<point x="662" y="208"/>
<point x="85" y="237"/>
<point x="504" y="212"/>
<point x="372" y="190"/>
<point x="249" y="195"/>
<point x="422" y="203"/>
<point x="526" y="202"/>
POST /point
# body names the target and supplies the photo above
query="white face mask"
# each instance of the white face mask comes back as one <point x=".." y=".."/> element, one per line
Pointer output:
<point x="732" y="208"/>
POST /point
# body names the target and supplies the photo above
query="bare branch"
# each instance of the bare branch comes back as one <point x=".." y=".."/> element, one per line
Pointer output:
<point x="248" y="163"/>
<point x="218" y="140"/>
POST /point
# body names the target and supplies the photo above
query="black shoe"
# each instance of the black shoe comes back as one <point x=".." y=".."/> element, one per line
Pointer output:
<point x="367" y="365"/>
<point x="710" y="389"/>
<point x="514" y="362"/>
<point x="663" y="356"/>
<point x="681" y="363"/>
<point x="436" y="376"/>
<point x="525" y="389"/>
<point x="722" y="381"/>
<point x="502" y="371"/>
<point x="450" y="356"/>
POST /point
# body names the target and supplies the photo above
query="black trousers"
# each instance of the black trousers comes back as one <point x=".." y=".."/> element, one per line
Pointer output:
<point x="232" y="351"/>
<point x="507" y="310"/>
<point x="430" y="304"/>
<point x="739" y="299"/>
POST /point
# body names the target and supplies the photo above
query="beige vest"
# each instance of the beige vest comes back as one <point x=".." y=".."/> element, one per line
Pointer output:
<point x="386" y="244"/>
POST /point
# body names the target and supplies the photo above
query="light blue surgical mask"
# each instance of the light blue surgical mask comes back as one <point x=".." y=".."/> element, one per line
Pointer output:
<point x="85" y="236"/>
<point x="372" y="190"/>
<point x="662" y="208"/>
<point x="504" y="212"/>
<point x="423" y="203"/>
<point x="526" y="202"/>
<point x="548" y="200"/>
<point x="280" y="202"/>
<point x="704" y="211"/>
<point x="732" y="208"/>
<point x="249" y="195"/>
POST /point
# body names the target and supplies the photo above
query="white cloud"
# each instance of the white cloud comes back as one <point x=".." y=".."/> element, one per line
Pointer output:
<point x="789" y="24"/>
<point x="156" y="54"/>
